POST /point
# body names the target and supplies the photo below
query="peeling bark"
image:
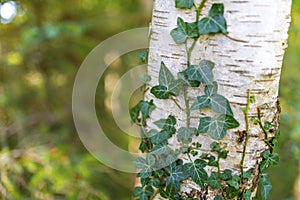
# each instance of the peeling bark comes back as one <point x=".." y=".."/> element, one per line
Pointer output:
<point x="253" y="65"/>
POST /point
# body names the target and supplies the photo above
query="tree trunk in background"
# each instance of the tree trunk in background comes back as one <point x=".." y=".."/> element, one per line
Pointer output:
<point x="255" y="66"/>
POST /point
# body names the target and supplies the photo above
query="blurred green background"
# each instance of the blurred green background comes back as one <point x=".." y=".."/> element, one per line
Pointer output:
<point x="41" y="49"/>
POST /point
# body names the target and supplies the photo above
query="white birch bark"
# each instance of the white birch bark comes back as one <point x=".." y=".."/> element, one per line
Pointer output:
<point x="255" y="66"/>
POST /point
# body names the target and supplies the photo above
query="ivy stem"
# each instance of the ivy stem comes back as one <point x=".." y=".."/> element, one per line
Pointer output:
<point x="176" y="103"/>
<point x="264" y="130"/>
<point x="246" y="112"/>
<point x="187" y="106"/>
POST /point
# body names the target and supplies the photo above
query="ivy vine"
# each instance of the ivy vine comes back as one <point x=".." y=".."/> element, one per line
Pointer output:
<point x="162" y="171"/>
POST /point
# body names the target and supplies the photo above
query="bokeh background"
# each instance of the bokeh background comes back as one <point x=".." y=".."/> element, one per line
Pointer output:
<point x="42" y="45"/>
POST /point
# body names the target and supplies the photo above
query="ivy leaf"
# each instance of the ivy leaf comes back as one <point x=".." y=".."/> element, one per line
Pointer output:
<point x="276" y="139"/>
<point x="143" y="192"/>
<point x="170" y="191"/>
<point x="143" y="107"/>
<point x="184" y="134"/>
<point x="247" y="194"/>
<point x="217" y="127"/>
<point x="169" y="125"/>
<point x="145" y="145"/>
<point x="269" y="160"/>
<point x="160" y="138"/>
<point x="216" y="102"/>
<point x="226" y="175"/>
<point x="184" y="77"/>
<point x="211" y="89"/>
<point x="184" y="3"/>
<point x="145" y="78"/>
<point x="232" y="192"/>
<point x="247" y="174"/>
<point x="218" y="198"/>
<point x="160" y="123"/>
<point x="160" y="92"/>
<point x="213" y="181"/>
<point x="167" y="84"/>
<point x="197" y="172"/>
<point x="215" y="22"/>
<point x="201" y="102"/>
<point x="265" y="186"/>
<point x="183" y="31"/>
<point x="176" y="174"/>
<point x="143" y="56"/>
<point x="162" y="150"/>
<point x="234" y="182"/>
<point x="165" y="76"/>
<point x="202" y="72"/>
<point x="146" y="165"/>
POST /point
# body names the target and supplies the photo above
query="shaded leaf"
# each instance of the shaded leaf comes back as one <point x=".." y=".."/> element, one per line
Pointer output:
<point x="217" y="127"/>
<point x="184" y="3"/>
<point x="184" y="134"/>
<point x="143" y="192"/>
<point x="269" y="159"/>
<point x="144" y="108"/>
<point x="213" y="181"/>
<point x="183" y="31"/>
<point x="197" y="172"/>
<point x="160" y="92"/>
<point x="202" y="72"/>
<point x="247" y="194"/>
<point x="265" y="186"/>
<point x="215" y="22"/>
<point x="143" y="56"/>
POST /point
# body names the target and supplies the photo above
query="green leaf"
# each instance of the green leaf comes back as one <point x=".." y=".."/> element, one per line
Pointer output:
<point x="184" y="134"/>
<point x="217" y="127"/>
<point x="184" y="3"/>
<point x="143" y="56"/>
<point x="167" y="84"/>
<point x="211" y="89"/>
<point x="268" y="126"/>
<point x="165" y="77"/>
<point x="223" y="154"/>
<point x="143" y="192"/>
<point x="247" y="194"/>
<point x="202" y="72"/>
<point x="146" y="165"/>
<point x="247" y="174"/>
<point x="160" y="123"/>
<point x="265" y="186"/>
<point x="212" y="100"/>
<point x="145" y="78"/>
<point x="184" y="77"/>
<point x="176" y="174"/>
<point x="196" y="171"/>
<point x="275" y="140"/>
<point x="144" y="108"/>
<point x="226" y="175"/>
<point x="201" y="102"/>
<point x="169" y="125"/>
<point x="160" y="92"/>
<point x="234" y="184"/>
<point x="160" y="138"/>
<point x="213" y="181"/>
<point x="232" y="192"/>
<point x="215" y="22"/>
<point x="218" y="198"/>
<point x="269" y="159"/>
<point x="183" y="31"/>
<point x="145" y="145"/>
<point x="170" y="192"/>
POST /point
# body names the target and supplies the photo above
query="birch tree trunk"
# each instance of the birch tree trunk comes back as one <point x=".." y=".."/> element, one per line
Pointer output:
<point x="253" y="65"/>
